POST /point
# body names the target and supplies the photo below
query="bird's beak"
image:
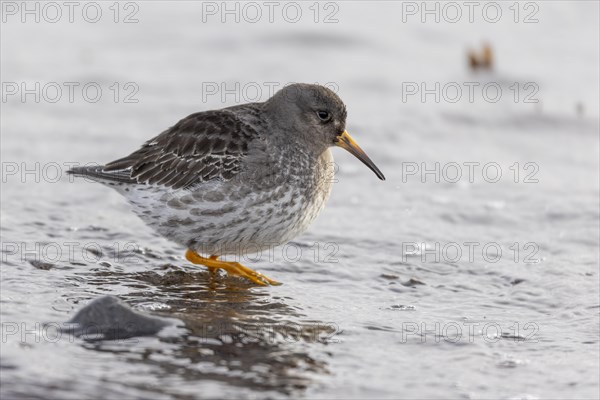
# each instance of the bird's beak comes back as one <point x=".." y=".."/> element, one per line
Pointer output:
<point x="346" y="142"/>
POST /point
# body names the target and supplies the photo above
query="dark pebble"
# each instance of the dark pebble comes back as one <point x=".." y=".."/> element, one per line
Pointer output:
<point x="107" y="318"/>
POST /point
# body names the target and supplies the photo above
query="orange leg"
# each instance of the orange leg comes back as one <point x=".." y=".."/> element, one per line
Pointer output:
<point x="212" y="270"/>
<point x="232" y="268"/>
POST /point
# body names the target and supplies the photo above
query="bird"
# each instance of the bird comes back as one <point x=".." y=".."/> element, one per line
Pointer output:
<point x="245" y="178"/>
<point x="482" y="60"/>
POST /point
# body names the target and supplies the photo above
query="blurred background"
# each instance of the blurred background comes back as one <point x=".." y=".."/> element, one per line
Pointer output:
<point x="471" y="272"/>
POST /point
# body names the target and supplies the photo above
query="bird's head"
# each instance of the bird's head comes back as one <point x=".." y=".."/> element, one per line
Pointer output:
<point x="316" y="117"/>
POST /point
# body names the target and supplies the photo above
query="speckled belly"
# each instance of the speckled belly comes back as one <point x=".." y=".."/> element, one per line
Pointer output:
<point x="234" y="217"/>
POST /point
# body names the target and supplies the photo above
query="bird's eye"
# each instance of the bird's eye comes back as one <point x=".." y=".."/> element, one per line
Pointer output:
<point x="324" y="115"/>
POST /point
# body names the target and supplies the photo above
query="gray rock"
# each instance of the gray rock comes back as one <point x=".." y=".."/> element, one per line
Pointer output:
<point x="107" y="318"/>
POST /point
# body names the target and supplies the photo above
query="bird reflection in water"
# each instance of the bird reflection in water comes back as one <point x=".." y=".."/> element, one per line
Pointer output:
<point x="232" y="334"/>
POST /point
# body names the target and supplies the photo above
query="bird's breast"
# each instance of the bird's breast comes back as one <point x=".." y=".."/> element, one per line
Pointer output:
<point x="249" y="213"/>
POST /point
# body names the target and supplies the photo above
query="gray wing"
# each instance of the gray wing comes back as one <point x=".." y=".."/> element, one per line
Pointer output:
<point x="202" y="147"/>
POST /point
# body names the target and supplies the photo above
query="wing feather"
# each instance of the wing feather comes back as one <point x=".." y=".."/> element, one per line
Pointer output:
<point x="202" y="147"/>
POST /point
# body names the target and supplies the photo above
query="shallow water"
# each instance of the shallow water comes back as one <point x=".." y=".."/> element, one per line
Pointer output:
<point x="376" y="301"/>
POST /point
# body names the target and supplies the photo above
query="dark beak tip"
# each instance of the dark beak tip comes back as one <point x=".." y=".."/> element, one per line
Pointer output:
<point x="347" y="143"/>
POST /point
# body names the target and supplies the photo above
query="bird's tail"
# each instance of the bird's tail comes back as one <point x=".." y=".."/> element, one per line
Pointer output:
<point x="98" y="174"/>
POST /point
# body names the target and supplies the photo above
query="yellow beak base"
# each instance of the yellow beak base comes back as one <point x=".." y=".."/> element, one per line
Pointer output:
<point x="346" y="142"/>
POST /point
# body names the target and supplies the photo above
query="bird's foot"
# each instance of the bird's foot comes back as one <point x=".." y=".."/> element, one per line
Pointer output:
<point x="232" y="268"/>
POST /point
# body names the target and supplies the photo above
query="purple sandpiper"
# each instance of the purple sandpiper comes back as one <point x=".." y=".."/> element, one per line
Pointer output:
<point x="237" y="180"/>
